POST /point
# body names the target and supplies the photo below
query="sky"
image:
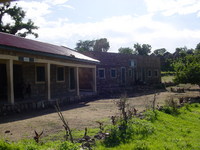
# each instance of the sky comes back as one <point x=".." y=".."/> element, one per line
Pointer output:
<point x="161" y="23"/>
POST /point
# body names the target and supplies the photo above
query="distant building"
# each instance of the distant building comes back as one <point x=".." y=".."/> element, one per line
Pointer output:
<point x="118" y="70"/>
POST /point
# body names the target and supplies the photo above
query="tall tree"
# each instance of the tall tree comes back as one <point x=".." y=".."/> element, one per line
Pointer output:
<point x="82" y="46"/>
<point x="101" y="45"/>
<point x="160" y="51"/>
<point x="125" y="50"/>
<point x="17" y="26"/>
<point x="197" y="49"/>
<point x="143" y="49"/>
<point x="188" y="70"/>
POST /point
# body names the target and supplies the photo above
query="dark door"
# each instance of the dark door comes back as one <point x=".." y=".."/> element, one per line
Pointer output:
<point x="3" y="82"/>
<point x="72" y="78"/>
<point x="123" y="75"/>
<point x="18" y="81"/>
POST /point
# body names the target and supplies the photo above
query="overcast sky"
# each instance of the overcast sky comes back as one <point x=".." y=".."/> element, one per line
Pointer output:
<point x="161" y="23"/>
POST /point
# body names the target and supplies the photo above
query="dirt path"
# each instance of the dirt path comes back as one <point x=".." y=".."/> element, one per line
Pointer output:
<point x="79" y="116"/>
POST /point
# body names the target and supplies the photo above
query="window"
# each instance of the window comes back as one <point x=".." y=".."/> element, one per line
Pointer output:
<point x="101" y="73"/>
<point x="156" y="73"/>
<point x="149" y="73"/>
<point x="113" y="73"/>
<point x="132" y="63"/>
<point x="130" y="73"/>
<point x="40" y="73"/>
<point x="60" y="74"/>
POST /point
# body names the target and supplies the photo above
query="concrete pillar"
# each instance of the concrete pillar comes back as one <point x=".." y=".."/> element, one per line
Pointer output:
<point x="48" y="80"/>
<point x="77" y="81"/>
<point x="10" y="90"/>
<point x="94" y="79"/>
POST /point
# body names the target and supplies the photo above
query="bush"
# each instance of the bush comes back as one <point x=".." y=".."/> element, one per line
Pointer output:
<point x="124" y="132"/>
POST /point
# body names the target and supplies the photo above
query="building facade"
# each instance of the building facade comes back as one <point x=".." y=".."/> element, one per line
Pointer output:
<point x="117" y="70"/>
<point x="33" y="71"/>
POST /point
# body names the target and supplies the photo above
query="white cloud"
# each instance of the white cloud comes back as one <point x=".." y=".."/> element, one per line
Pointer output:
<point x="121" y="31"/>
<point x="56" y="2"/>
<point x="171" y="7"/>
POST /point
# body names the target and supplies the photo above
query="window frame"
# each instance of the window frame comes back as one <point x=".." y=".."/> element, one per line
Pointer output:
<point x="104" y="75"/>
<point x="130" y="73"/>
<point x="58" y="67"/>
<point x="150" y="71"/>
<point x="113" y="69"/>
<point x="155" y="73"/>
<point x="36" y="74"/>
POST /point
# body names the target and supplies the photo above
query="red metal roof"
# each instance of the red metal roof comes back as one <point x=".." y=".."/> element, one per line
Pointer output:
<point x="32" y="45"/>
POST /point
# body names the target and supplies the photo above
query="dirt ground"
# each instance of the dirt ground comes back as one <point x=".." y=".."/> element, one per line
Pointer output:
<point x="78" y="116"/>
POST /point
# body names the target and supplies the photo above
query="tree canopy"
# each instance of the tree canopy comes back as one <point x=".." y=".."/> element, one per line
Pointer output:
<point x="100" y="45"/>
<point x="16" y="26"/>
<point x="143" y="49"/>
<point x="188" y="70"/>
<point x="125" y="50"/>
<point x="160" y="51"/>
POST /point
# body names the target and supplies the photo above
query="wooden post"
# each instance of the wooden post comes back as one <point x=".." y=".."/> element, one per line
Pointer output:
<point x="48" y="80"/>
<point x="77" y="81"/>
<point x="94" y="79"/>
<point x="10" y="90"/>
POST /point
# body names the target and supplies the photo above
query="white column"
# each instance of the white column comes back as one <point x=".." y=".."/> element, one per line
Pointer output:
<point x="10" y="90"/>
<point x="77" y="81"/>
<point x="48" y="80"/>
<point x="94" y="79"/>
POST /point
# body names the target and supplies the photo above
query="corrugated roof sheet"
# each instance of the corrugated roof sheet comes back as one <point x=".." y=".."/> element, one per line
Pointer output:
<point x="41" y="47"/>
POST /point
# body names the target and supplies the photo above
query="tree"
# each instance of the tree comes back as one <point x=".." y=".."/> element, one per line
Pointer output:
<point x="125" y="50"/>
<point x="17" y="26"/>
<point x="101" y="45"/>
<point x="160" y="51"/>
<point x="197" y="49"/>
<point x="188" y="70"/>
<point x="82" y="46"/>
<point x="143" y="49"/>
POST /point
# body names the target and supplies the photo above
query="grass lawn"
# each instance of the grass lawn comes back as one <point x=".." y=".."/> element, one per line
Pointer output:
<point x="171" y="132"/>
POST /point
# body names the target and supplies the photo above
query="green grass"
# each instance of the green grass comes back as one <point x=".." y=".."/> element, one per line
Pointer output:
<point x="166" y="79"/>
<point x="171" y="132"/>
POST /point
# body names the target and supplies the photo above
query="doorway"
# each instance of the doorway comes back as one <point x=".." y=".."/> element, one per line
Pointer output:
<point x="72" y="81"/>
<point x="18" y="81"/>
<point x="3" y="83"/>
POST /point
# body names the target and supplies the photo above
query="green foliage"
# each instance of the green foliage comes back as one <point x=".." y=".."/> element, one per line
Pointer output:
<point x="143" y="49"/>
<point x="170" y="132"/>
<point x="188" y="70"/>
<point x="68" y="146"/>
<point x="125" y="132"/>
<point x="125" y="50"/>
<point x="17" y="26"/>
<point x="32" y="145"/>
<point x="160" y="51"/>
<point x="100" y="45"/>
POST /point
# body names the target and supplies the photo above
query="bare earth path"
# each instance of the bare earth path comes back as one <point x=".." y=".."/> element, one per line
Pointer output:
<point x="79" y="116"/>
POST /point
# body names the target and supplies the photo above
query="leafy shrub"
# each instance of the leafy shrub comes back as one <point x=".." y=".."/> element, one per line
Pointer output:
<point x="124" y="132"/>
<point x="151" y="115"/>
<point x="68" y="146"/>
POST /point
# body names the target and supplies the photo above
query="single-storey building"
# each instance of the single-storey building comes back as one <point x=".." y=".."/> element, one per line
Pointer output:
<point x="116" y="71"/>
<point x="32" y="70"/>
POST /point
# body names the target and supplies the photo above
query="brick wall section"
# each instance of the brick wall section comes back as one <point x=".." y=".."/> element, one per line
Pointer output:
<point x="140" y="72"/>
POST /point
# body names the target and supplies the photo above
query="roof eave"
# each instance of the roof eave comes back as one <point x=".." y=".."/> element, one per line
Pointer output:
<point x="48" y="54"/>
